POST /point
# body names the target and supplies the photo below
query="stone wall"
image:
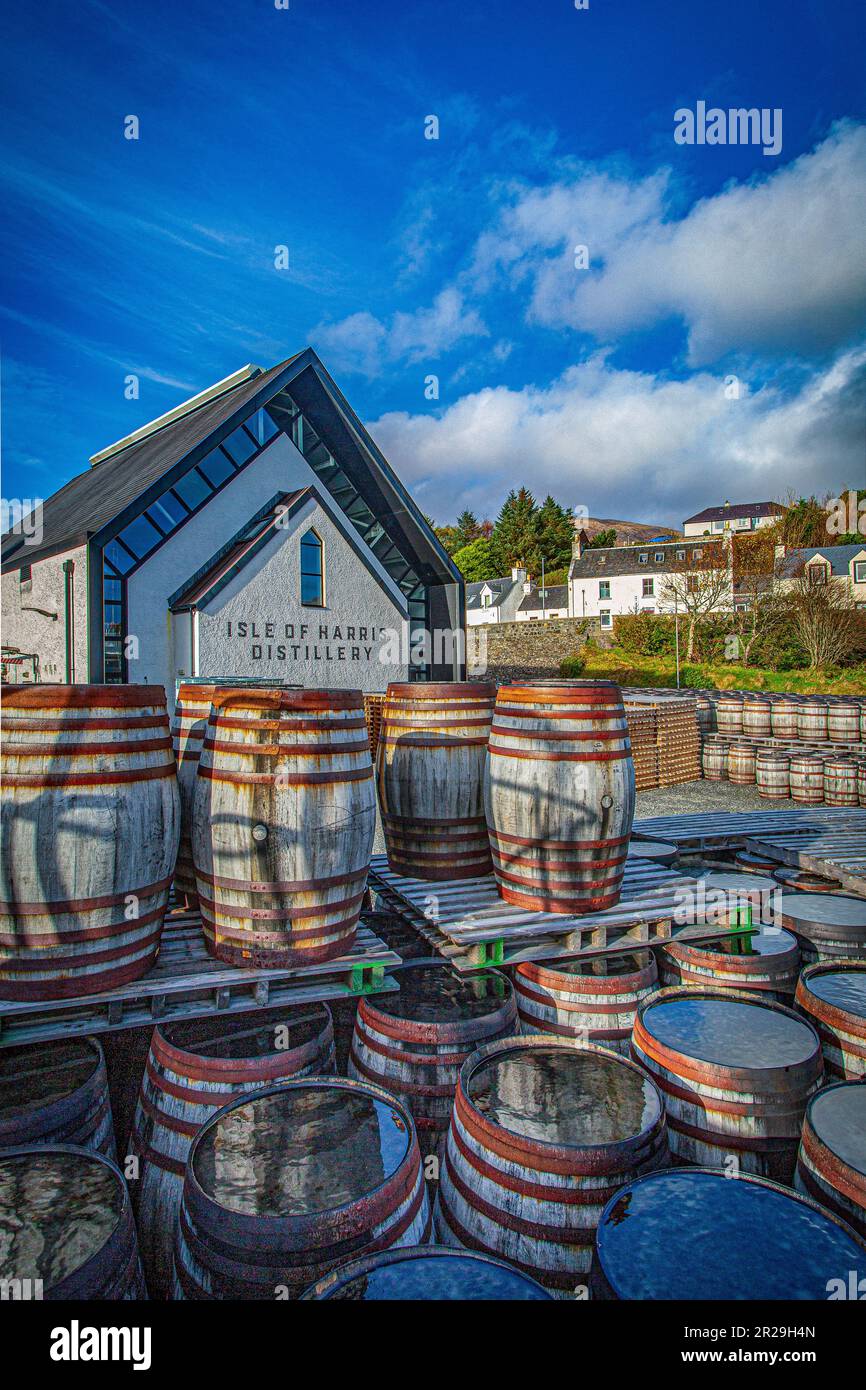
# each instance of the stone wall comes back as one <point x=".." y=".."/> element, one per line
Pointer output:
<point x="520" y="651"/>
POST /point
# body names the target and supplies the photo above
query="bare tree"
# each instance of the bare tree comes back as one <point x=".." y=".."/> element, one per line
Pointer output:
<point x="698" y="586"/>
<point x="756" y="608"/>
<point x="823" y="615"/>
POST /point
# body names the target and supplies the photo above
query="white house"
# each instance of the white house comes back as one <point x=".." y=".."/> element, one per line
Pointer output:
<point x="495" y="600"/>
<point x="551" y="602"/>
<point x="610" y="581"/>
<point x="844" y="565"/>
<point x="254" y="531"/>
<point x="737" y="517"/>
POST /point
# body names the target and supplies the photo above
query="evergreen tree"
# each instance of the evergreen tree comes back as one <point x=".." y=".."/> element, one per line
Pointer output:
<point x="475" y="561"/>
<point x="602" y="539"/>
<point x="555" y="533"/>
<point x="515" y="535"/>
<point x="467" y="528"/>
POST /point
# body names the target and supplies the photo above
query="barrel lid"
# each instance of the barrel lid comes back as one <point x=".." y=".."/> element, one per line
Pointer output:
<point x="652" y="849"/>
<point x="562" y="1095"/>
<point x="428" y="1272"/>
<point x="769" y="941"/>
<point x="744" y="884"/>
<point x="804" y="881"/>
<point x="597" y="967"/>
<point x="434" y="993"/>
<point x="45" y="695"/>
<point x="837" y="1114"/>
<point x="35" y="1075"/>
<point x="302" y="1148"/>
<point x="440" y="690"/>
<point x="764" y="1241"/>
<point x="815" y="913"/>
<point x="280" y="698"/>
<point x="728" y="1032"/>
<point x="59" y="1206"/>
<point x="277" y="1031"/>
<point x="842" y="988"/>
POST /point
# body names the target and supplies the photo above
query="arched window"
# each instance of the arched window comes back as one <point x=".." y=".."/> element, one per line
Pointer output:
<point x="312" y="570"/>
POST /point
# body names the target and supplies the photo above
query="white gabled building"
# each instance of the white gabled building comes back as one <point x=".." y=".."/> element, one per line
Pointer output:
<point x="737" y="518"/>
<point x="495" y="600"/>
<point x="610" y="581"/>
<point x="538" y="603"/>
<point x="842" y="565"/>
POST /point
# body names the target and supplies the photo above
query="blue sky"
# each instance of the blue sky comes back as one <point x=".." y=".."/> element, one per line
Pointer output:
<point x="713" y="346"/>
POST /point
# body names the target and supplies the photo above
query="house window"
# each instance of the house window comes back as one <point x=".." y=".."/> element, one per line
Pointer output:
<point x="312" y="571"/>
<point x="642" y="559"/>
<point x="696" y="554"/>
<point x="718" y="525"/>
<point x="604" y="615"/>
<point x="860" y="571"/>
<point x="681" y="554"/>
<point x="485" y="600"/>
<point x="604" y="588"/>
<point x="817" y="574"/>
<point x="659" y="557"/>
<point x="25" y="579"/>
<point x="648" y="588"/>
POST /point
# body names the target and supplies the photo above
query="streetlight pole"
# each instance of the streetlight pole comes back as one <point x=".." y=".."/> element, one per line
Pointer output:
<point x="543" y="592"/>
<point x="677" y="635"/>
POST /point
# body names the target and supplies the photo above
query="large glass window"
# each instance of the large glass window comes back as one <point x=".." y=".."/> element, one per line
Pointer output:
<point x="312" y="570"/>
<point x="217" y="467"/>
<point x="192" y="489"/>
<point x="240" y="445"/>
<point x="604" y="588"/>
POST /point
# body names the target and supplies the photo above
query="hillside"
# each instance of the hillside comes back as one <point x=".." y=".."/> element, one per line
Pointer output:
<point x="627" y="532"/>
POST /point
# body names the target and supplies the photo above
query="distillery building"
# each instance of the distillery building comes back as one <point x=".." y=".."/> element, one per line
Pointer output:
<point x="254" y="531"/>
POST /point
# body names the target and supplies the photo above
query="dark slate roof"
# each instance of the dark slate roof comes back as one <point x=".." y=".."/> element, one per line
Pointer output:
<point x="736" y="511"/>
<point x="624" y="559"/>
<point x="557" y="597"/>
<point x="95" y="497"/>
<point x="839" y="557"/>
<point x="500" y="589"/>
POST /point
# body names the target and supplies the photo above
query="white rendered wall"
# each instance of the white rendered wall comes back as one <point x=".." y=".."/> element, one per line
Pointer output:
<point x="38" y="631"/>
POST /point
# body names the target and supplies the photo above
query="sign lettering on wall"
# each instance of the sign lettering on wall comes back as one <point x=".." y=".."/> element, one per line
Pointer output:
<point x="273" y="641"/>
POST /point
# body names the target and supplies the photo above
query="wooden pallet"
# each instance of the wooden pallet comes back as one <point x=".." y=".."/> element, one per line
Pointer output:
<point x="469" y="923"/>
<point x="185" y="982"/>
<point x="835" y="854"/>
<point x="731" y="829"/>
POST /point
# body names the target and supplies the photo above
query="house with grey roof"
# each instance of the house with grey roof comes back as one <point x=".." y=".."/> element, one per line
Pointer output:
<point x="735" y="517"/>
<point x="614" y="580"/>
<point x="495" y="600"/>
<point x="844" y="565"/>
<point x="540" y="603"/>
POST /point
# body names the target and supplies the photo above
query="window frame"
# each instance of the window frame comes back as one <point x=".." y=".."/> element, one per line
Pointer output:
<point x="860" y="578"/>
<point x="602" y="585"/>
<point x="310" y="574"/>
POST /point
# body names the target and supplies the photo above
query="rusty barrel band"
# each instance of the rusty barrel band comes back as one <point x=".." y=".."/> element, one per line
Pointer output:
<point x="45" y="696"/>
<point x="88" y="779"/>
<point x="58" y="906"/>
<point x="619" y="755"/>
<point x="226" y="721"/>
<point x="299" y="885"/>
<point x="157" y="720"/>
<point x="243" y="912"/>
<point x="56" y="751"/>
<point x="286" y="779"/>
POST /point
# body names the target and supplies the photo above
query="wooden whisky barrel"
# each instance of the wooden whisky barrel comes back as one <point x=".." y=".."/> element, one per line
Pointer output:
<point x="741" y="764"/>
<point x="840" y="782"/>
<point x="425" y="1273"/>
<point x="766" y="963"/>
<point x="90" y="825"/>
<point x="783" y="719"/>
<point x="192" y="1069"/>
<point x="831" y="1164"/>
<point x="757" y="718"/>
<point x="188" y="726"/>
<point x="67" y="1224"/>
<point x="828" y="926"/>
<point x="812" y="720"/>
<point x="729" y="716"/>
<point x="768" y="1243"/>
<point x="715" y="762"/>
<point x="559" y="795"/>
<point x="429" y="772"/>
<point x="807" y="778"/>
<point x="594" y="1000"/>
<point x="735" y="1073"/>
<point x="413" y="1043"/>
<point x="283" y="824"/>
<point x="287" y="1184"/>
<point x="773" y="774"/>
<point x="542" y="1134"/>
<point x="832" y="996"/>
<point x="843" y="722"/>
<point x="55" y="1093"/>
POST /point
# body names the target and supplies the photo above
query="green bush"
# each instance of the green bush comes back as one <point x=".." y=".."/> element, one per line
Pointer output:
<point x="573" y="666"/>
<point x="644" y="634"/>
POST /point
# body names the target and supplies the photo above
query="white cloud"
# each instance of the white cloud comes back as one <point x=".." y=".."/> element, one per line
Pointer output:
<point x="631" y="445"/>
<point x="362" y="343"/>
<point x="771" y="266"/>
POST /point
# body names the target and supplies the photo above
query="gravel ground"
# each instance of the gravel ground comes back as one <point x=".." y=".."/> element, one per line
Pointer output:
<point x="692" y="798"/>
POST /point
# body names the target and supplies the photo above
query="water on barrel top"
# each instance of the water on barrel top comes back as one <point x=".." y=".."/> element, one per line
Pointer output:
<point x="433" y="994"/>
<point x="229" y="1038"/>
<point x="34" y="1076"/>
<point x="601" y="966"/>
<point x="564" y="1095"/>
<point x="843" y="989"/>
<point x="684" y="1234"/>
<point x="838" y="1116"/>
<point x="439" y="1277"/>
<point x="56" y="1211"/>
<point x="300" y="1150"/>
<point x="770" y="941"/>
<point x="730" y="1033"/>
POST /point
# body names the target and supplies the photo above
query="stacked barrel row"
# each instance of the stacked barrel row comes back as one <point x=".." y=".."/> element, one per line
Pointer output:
<point x="807" y="776"/>
<point x="759" y="714"/>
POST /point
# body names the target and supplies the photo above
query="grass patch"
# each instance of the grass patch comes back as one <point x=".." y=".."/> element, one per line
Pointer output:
<point x="628" y="669"/>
